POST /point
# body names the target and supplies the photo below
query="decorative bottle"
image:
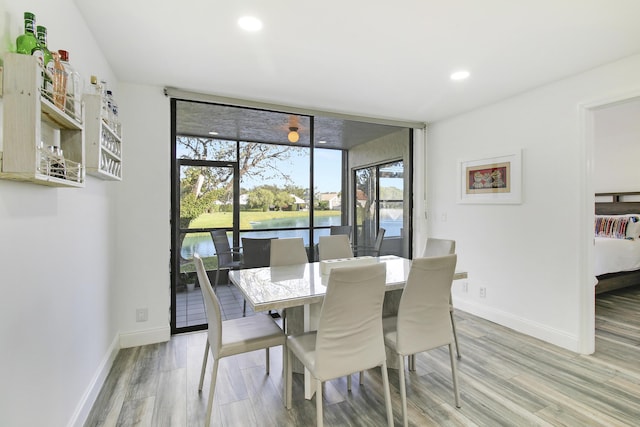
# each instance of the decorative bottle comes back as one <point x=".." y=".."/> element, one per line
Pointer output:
<point x="27" y="43"/>
<point x="59" y="82"/>
<point x="47" y="61"/>
<point x="74" y="90"/>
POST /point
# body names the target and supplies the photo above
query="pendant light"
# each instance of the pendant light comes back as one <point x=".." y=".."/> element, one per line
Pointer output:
<point x="293" y="135"/>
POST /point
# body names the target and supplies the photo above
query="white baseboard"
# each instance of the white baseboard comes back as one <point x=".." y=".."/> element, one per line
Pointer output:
<point x="526" y="326"/>
<point x="89" y="397"/>
<point x="147" y="336"/>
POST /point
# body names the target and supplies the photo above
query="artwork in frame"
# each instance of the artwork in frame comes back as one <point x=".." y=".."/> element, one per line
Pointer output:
<point x="491" y="180"/>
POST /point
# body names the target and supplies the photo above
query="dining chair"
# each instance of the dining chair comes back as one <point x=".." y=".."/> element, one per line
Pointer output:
<point x="256" y="252"/>
<point x="334" y="247"/>
<point x="373" y="250"/>
<point x="231" y="337"/>
<point x="288" y="251"/>
<point x="340" y="229"/>
<point x="228" y="258"/>
<point x="422" y="322"/>
<point x="440" y="247"/>
<point x="349" y="336"/>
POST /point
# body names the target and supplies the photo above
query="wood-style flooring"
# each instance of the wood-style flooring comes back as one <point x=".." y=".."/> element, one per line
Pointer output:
<point x="506" y="379"/>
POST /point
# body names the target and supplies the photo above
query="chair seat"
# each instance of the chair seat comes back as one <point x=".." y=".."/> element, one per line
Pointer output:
<point x="247" y="334"/>
<point x="304" y="347"/>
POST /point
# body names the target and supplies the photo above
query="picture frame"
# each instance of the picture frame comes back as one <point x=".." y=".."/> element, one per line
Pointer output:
<point x="491" y="180"/>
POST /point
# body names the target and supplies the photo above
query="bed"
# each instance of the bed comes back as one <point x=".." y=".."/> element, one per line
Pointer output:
<point x="617" y="241"/>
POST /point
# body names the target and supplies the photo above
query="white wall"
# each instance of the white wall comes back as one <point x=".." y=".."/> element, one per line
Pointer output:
<point x="58" y="317"/>
<point x="530" y="257"/>
<point x="617" y="147"/>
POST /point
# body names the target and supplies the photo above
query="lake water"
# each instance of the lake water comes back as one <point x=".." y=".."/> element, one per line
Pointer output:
<point x="202" y="243"/>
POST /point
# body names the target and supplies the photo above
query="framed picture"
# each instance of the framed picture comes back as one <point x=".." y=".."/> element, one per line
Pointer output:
<point x="491" y="180"/>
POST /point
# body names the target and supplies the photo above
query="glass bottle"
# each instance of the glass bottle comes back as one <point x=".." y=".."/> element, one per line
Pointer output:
<point x="27" y="43"/>
<point x="47" y="61"/>
<point x="74" y="90"/>
<point x="59" y="82"/>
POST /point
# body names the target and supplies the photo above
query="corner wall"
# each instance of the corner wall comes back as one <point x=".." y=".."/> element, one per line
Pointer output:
<point x="529" y="257"/>
<point x="58" y="327"/>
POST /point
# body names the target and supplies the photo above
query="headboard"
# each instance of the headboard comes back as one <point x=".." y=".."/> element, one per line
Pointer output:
<point x="617" y="203"/>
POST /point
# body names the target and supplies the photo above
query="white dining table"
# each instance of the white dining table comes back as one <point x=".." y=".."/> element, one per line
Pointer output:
<point x="300" y="289"/>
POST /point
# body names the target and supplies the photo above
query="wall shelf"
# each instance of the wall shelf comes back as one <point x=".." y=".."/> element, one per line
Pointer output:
<point x="42" y="144"/>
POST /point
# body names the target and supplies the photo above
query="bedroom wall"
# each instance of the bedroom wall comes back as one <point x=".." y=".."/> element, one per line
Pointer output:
<point x="617" y="147"/>
<point x="529" y="257"/>
<point x="58" y="319"/>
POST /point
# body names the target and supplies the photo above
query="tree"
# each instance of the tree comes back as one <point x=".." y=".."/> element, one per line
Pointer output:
<point x="256" y="160"/>
<point x="260" y="198"/>
<point x="283" y="200"/>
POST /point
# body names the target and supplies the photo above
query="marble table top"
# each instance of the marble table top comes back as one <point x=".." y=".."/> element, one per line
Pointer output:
<point x="276" y="288"/>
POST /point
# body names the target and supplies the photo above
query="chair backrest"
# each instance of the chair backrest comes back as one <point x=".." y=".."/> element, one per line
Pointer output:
<point x="223" y="250"/>
<point x="439" y="247"/>
<point x="350" y="337"/>
<point x="340" y="229"/>
<point x="334" y="247"/>
<point x="288" y="252"/>
<point x="379" y="239"/>
<point x="423" y="312"/>
<point x="212" y="306"/>
<point x="256" y="252"/>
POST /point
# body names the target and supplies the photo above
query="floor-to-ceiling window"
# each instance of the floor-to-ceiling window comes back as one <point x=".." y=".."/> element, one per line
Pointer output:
<point x="257" y="172"/>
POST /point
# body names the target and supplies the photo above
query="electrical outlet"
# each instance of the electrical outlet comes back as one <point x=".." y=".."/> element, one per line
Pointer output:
<point x="142" y="315"/>
<point x="465" y="287"/>
<point x="483" y="292"/>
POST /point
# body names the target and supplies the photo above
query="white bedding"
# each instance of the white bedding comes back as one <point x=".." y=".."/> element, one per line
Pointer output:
<point x="613" y="255"/>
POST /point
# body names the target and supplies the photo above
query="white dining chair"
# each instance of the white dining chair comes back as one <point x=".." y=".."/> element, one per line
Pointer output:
<point x="334" y="247"/>
<point x="422" y="322"/>
<point x="288" y="251"/>
<point x="231" y="337"/>
<point x="440" y="247"/>
<point x="349" y="337"/>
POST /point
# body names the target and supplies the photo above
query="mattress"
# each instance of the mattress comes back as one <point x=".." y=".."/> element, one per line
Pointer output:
<point x="615" y="255"/>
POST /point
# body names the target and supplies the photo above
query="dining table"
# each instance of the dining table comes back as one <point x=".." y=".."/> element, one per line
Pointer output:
<point x="300" y="288"/>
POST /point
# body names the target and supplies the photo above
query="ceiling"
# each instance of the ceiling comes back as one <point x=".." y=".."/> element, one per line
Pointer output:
<point x="387" y="60"/>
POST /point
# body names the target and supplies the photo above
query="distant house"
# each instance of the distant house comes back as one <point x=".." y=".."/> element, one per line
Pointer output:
<point x="334" y="201"/>
<point x="298" y="203"/>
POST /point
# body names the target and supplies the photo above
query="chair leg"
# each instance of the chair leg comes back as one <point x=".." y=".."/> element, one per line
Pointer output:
<point x="412" y="362"/>
<point x="455" y="335"/>
<point x="288" y="381"/>
<point x="403" y="392"/>
<point x="212" y="390"/>
<point x="215" y="283"/>
<point x="349" y="382"/>
<point x="454" y="375"/>
<point x="204" y="365"/>
<point x="244" y="308"/>
<point x="361" y="377"/>
<point x="387" y="394"/>
<point x="267" y="359"/>
<point x="319" y="416"/>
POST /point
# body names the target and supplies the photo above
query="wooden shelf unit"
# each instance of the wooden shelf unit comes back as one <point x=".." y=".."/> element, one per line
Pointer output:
<point x="32" y="124"/>
<point x="103" y="143"/>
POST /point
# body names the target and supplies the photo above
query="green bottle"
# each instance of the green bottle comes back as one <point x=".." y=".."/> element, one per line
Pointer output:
<point x="47" y="61"/>
<point x="27" y="43"/>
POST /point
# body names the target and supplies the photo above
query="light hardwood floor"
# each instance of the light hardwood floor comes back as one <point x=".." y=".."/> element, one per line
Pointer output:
<point x="506" y="379"/>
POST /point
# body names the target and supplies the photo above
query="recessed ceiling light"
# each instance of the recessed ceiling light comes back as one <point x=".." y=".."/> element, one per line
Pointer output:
<point x="460" y="75"/>
<point x="322" y="142"/>
<point x="213" y="132"/>
<point x="250" y="23"/>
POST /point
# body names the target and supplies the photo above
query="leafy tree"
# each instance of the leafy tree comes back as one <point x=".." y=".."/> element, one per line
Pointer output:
<point x="260" y="198"/>
<point x="201" y="186"/>
<point x="283" y="200"/>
